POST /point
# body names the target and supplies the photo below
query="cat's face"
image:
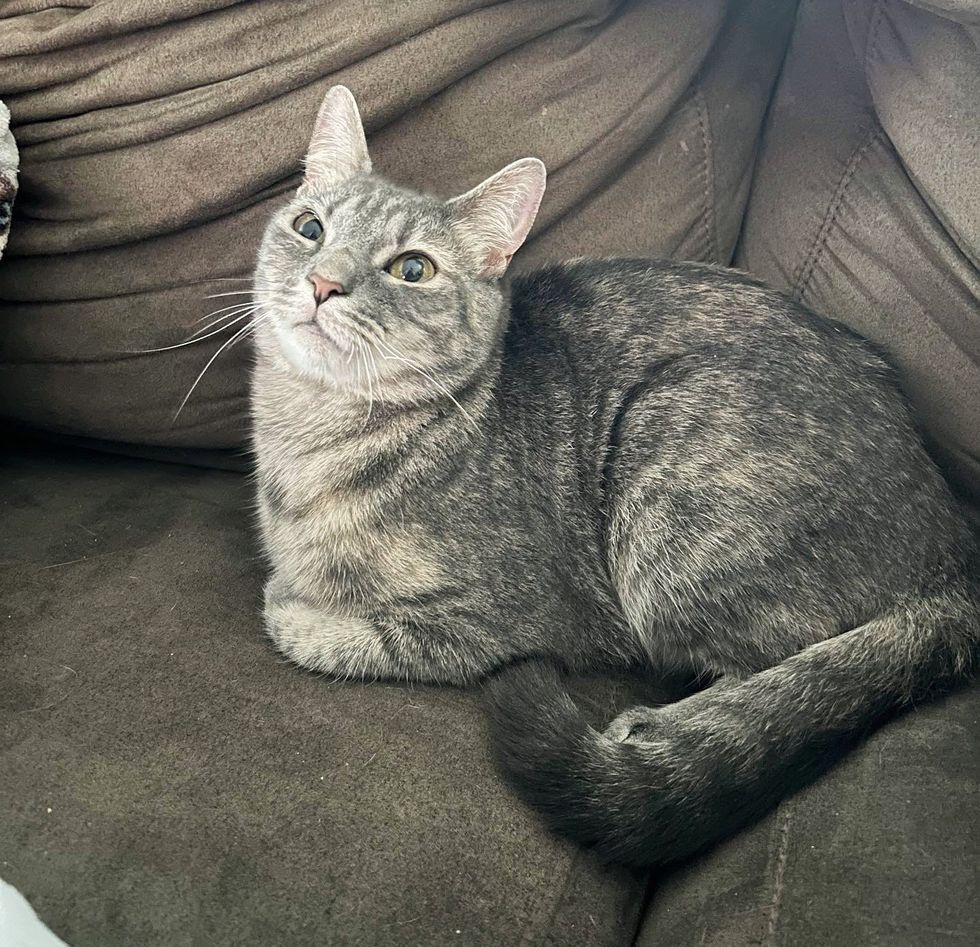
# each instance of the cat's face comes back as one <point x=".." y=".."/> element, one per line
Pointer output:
<point x="379" y="291"/>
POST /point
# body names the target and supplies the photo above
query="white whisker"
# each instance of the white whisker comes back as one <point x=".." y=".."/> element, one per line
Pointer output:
<point x="240" y="334"/>
<point x="369" y="349"/>
<point x="358" y="363"/>
<point x="367" y="372"/>
<point x="243" y="292"/>
<point x="425" y="374"/>
<point x="192" y="340"/>
<point x="360" y="384"/>
<point x="223" y="309"/>
<point x="234" y="314"/>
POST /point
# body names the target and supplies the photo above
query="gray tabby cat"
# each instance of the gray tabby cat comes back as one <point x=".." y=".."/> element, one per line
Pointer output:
<point x="603" y="464"/>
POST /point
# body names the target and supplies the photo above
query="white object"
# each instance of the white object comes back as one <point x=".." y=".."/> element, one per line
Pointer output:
<point x="19" y="925"/>
<point x="9" y="160"/>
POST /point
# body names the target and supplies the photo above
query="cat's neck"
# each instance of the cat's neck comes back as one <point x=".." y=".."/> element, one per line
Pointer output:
<point x="299" y="422"/>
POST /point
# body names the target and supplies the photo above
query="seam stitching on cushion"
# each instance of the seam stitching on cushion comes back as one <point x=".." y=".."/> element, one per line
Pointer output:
<point x="872" y="56"/>
<point x="809" y="264"/>
<point x="871" y="46"/>
<point x="555" y="906"/>
<point x="779" y="878"/>
<point x="707" y="171"/>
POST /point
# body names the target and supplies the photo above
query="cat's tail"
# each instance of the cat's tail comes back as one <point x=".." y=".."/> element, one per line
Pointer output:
<point x="697" y="770"/>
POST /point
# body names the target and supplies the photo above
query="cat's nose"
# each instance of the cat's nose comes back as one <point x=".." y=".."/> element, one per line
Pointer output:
<point x="323" y="288"/>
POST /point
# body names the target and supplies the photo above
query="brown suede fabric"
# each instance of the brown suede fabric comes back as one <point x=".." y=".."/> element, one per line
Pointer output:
<point x="156" y="138"/>
<point x="880" y="853"/>
<point x="201" y="792"/>
<point x="165" y="780"/>
<point x="866" y="202"/>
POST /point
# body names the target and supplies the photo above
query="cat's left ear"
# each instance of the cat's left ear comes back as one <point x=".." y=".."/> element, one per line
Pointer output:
<point x="494" y="218"/>
<point x="338" y="148"/>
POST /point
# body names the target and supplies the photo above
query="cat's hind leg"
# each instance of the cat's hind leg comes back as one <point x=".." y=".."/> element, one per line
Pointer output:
<point x="730" y="542"/>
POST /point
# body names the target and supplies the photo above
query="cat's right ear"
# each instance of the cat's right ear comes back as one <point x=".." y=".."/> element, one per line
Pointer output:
<point x="338" y="148"/>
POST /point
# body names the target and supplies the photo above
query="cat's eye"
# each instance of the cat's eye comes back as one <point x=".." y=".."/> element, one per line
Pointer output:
<point x="412" y="268"/>
<point x="308" y="225"/>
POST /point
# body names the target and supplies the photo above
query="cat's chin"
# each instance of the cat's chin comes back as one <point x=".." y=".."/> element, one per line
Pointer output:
<point x="317" y="352"/>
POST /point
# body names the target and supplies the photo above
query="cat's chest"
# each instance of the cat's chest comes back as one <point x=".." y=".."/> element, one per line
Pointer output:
<point x="346" y="549"/>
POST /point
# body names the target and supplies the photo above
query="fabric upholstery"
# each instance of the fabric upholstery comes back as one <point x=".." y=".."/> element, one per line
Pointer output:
<point x="882" y="852"/>
<point x="201" y="791"/>
<point x="157" y="138"/>
<point x="166" y="780"/>
<point x="866" y="201"/>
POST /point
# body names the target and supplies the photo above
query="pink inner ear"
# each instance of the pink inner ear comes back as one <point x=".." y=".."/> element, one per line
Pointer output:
<point x="495" y="217"/>
<point x="522" y="214"/>
<point x="495" y="263"/>
<point x="527" y="210"/>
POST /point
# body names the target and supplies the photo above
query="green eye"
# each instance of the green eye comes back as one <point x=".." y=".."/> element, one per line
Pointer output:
<point x="412" y="267"/>
<point x="307" y="225"/>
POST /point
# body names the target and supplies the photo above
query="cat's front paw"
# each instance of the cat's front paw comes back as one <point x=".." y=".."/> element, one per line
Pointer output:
<point x="636" y="725"/>
<point x="343" y="646"/>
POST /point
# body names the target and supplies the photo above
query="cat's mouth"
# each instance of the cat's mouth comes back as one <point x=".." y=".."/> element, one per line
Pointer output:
<point x="324" y="343"/>
<point x="326" y="329"/>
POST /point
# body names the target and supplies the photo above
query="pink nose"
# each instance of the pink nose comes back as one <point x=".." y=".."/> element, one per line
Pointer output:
<point x="323" y="289"/>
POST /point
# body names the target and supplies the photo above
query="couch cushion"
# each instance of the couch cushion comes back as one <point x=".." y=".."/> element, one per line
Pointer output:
<point x="882" y="852"/>
<point x="865" y="200"/>
<point x="166" y="780"/>
<point x="156" y="140"/>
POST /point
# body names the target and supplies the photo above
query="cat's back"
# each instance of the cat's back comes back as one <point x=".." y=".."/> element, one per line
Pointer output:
<point x="731" y="413"/>
<point x="617" y="320"/>
<point x="671" y="303"/>
<point x="712" y="368"/>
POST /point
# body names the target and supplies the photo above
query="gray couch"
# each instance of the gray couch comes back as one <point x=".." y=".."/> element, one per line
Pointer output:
<point x="164" y="778"/>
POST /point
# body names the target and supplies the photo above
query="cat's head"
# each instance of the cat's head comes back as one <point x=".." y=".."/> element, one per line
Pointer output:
<point x="360" y="281"/>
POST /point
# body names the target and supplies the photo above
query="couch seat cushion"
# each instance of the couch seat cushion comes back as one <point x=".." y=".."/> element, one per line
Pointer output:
<point x="165" y="779"/>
